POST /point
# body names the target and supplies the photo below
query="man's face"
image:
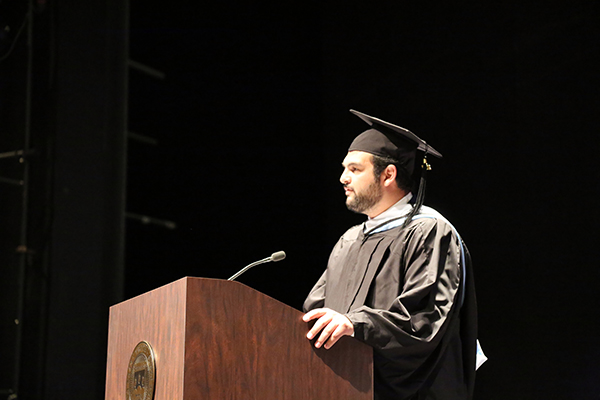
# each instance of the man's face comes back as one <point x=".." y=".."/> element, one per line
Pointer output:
<point x="363" y="191"/>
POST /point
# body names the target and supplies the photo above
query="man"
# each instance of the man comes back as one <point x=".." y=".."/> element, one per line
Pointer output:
<point x="401" y="281"/>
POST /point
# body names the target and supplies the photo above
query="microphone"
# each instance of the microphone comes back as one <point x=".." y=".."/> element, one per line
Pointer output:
<point x="277" y="256"/>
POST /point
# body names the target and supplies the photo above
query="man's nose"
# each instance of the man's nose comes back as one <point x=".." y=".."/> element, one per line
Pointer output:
<point x="344" y="178"/>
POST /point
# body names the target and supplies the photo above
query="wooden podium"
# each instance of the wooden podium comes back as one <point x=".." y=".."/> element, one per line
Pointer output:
<point x="216" y="339"/>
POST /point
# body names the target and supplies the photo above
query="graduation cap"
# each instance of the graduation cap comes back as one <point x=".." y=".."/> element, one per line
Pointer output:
<point x="389" y="140"/>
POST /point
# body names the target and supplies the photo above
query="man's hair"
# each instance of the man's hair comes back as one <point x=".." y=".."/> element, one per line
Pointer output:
<point x="403" y="179"/>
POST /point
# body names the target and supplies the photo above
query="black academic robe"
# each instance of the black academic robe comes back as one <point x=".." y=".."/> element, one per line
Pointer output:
<point x="404" y="293"/>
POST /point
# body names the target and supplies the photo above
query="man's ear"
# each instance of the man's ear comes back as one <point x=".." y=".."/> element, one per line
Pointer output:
<point x="388" y="175"/>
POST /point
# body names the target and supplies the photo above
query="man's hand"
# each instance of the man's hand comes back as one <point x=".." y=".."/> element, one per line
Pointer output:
<point x="331" y="324"/>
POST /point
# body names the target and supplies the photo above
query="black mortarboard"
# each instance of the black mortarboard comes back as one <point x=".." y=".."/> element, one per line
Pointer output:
<point x="388" y="140"/>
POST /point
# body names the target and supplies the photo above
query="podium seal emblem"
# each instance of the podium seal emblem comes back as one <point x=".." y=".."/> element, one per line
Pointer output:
<point x="141" y="373"/>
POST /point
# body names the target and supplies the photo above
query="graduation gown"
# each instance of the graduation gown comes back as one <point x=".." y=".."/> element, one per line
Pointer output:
<point x="404" y="291"/>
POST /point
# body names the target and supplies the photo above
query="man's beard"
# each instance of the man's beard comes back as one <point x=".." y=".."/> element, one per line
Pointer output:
<point x="365" y="201"/>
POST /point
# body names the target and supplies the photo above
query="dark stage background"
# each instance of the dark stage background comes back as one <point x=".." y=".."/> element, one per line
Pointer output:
<point x="251" y="122"/>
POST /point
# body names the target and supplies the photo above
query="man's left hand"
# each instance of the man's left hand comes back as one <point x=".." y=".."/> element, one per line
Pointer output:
<point x="331" y="324"/>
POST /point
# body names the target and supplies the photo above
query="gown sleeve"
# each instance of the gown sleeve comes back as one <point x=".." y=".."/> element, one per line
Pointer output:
<point x="427" y="265"/>
<point x="316" y="297"/>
